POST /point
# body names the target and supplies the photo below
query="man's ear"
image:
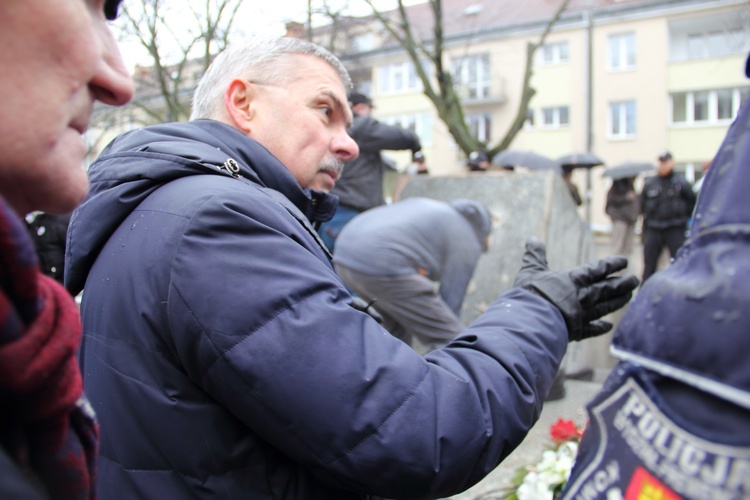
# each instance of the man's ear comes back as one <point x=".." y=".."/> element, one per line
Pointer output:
<point x="239" y="104"/>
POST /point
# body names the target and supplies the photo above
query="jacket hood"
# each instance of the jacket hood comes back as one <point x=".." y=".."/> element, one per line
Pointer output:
<point x="691" y="320"/>
<point x="137" y="163"/>
<point x="478" y="217"/>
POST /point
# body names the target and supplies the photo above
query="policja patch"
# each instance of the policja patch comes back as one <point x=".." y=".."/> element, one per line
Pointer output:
<point x="632" y="449"/>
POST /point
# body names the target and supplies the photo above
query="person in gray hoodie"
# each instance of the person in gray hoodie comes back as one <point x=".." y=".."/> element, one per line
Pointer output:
<point x="415" y="258"/>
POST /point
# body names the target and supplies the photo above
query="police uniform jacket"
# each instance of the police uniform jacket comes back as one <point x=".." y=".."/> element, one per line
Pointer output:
<point x="673" y="419"/>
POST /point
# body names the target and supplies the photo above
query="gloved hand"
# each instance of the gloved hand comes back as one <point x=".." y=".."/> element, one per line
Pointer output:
<point x="582" y="294"/>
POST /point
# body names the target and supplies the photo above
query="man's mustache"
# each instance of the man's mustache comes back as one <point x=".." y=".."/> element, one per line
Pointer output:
<point x="332" y="164"/>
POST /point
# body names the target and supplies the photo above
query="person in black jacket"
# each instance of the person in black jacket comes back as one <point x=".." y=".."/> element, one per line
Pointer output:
<point x="667" y="202"/>
<point x="49" y="232"/>
<point x="360" y="186"/>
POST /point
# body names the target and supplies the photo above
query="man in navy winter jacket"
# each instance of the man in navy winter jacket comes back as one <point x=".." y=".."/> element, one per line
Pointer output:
<point x="222" y="353"/>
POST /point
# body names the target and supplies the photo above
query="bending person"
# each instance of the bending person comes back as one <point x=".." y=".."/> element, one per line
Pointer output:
<point x="415" y="259"/>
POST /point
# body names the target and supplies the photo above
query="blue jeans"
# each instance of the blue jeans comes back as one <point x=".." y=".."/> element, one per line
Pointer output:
<point x="330" y="230"/>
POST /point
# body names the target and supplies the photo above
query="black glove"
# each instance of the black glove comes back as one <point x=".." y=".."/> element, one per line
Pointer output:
<point x="361" y="304"/>
<point x="582" y="294"/>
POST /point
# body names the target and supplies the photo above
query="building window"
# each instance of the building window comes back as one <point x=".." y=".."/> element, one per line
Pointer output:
<point x="715" y="43"/>
<point x="480" y="125"/>
<point x="707" y="106"/>
<point x="622" y="120"/>
<point x="553" y="53"/>
<point x="398" y="78"/>
<point x="471" y="75"/>
<point x="555" y="117"/>
<point x="419" y="123"/>
<point x="621" y="54"/>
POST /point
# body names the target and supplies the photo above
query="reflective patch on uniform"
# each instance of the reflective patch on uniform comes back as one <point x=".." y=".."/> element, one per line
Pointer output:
<point x="639" y="453"/>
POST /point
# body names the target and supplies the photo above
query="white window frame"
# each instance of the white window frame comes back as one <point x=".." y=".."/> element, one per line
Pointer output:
<point x="621" y="48"/>
<point x="620" y="111"/>
<point x="473" y="72"/>
<point x="556" y="113"/>
<point x="712" y="107"/>
<point x="551" y="54"/>
<point x="398" y="78"/>
<point x="480" y="125"/>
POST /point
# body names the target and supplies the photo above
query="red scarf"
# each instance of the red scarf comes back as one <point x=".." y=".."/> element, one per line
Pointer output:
<point x="48" y="427"/>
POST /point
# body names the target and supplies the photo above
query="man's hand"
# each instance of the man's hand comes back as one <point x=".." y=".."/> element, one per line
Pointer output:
<point x="582" y="294"/>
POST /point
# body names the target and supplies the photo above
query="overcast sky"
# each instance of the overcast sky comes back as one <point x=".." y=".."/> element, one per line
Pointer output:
<point x="267" y="17"/>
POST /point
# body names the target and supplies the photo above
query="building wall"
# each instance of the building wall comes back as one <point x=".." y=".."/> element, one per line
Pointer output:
<point x="659" y="71"/>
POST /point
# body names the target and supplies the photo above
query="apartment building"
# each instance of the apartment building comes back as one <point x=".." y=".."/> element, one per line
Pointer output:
<point x="624" y="79"/>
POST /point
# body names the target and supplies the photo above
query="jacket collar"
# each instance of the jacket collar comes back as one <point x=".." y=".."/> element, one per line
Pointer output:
<point x="258" y="165"/>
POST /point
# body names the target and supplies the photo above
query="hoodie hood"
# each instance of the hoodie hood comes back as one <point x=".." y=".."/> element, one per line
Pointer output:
<point x="691" y="320"/>
<point x="137" y="163"/>
<point x="478" y="217"/>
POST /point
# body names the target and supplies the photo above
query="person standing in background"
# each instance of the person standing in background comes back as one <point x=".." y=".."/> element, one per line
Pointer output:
<point x="667" y="202"/>
<point x="567" y="176"/>
<point x="623" y="208"/>
<point x="360" y="186"/>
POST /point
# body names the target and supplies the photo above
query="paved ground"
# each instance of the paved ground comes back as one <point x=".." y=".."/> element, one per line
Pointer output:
<point x="571" y="407"/>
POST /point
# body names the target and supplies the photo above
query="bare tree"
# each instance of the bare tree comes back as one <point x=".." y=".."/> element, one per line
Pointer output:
<point x="181" y="39"/>
<point x="439" y="86"/>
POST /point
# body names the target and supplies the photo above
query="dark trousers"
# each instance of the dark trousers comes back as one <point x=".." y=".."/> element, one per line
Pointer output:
<point x="654" y="240"/>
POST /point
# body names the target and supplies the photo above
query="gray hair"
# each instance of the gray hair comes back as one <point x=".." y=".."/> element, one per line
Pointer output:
<point x="263" y="60"/>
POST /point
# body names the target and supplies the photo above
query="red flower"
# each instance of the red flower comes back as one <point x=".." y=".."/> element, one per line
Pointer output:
<point x="565" y="430"/>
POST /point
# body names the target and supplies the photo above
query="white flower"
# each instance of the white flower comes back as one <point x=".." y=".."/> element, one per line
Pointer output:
<point x="534" y="488"/>
<point x="551" y="471"/>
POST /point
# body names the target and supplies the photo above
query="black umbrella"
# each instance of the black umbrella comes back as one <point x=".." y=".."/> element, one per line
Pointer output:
<point x="628" y="169"/>
<point x="579" y="160"/>
<point x="528" y="159"/>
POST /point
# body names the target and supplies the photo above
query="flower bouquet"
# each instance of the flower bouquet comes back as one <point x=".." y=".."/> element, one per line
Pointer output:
<point x="546" y="479"/>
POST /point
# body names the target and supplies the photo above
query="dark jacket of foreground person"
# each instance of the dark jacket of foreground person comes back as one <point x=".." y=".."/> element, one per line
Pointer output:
<point x="224" y="358"/>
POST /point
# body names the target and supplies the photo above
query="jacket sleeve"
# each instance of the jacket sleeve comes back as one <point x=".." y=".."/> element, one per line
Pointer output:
<point x="371" y="135"/>
<point x="267" y="329"/>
